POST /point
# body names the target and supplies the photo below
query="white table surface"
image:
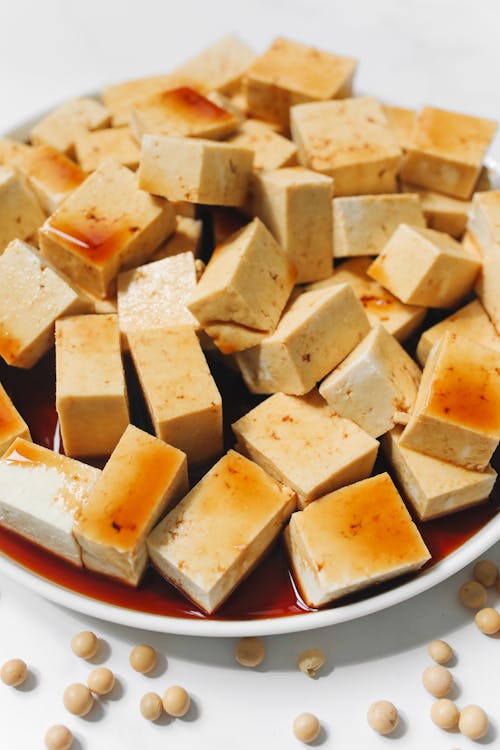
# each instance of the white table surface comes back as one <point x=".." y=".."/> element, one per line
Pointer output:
<point x="440" y="52"/>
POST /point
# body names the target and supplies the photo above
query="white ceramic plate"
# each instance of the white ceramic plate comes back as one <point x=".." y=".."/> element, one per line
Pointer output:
<point x="457" y="560"/>
<point x="481" y="541"/>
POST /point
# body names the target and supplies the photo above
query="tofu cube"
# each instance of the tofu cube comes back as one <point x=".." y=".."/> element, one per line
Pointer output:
<point x="457" y="412"/>
<point x="143" y="478"/>
<point x="271" y="149"/>
<point x="289" y="73"/>
<point x="446" y="151"/>
<point x="61" y="127"/>
<point x="355" y="537"/>
<point x="401" y="121"/>
<point x="91" y="395"/>
<point x="220" y="531"/>
<point x="435" y="488"/>
<point x="155" y="296"/>
<point x="442" y="212"/>
<point x="42" y="494"/>
<point x="484" y="226"/>
<point x="296" y="205"/>
<point x="94" y="147"/>
<point x="108" y="224"/>
<point x="376" y="384"/>
<point x="349" y="140"/>
<point x="362" y="225"/>
<point x="181" y="112"/>
<point x="51" y="175"/>
<point x="186" y="238"/>
<point x="470" y="322"/>
<point x="32" y="298"/>
<point x="12" y="425"/>
<point x="380" y="305"/>
<point x="317" y="331"/>
<point x="20" y="212"/>
<point x="120" y="97"/>
<point x="220" y="67"/>
<point x="242" y="293"/>
<point x="180" y="392"/>
<point x="195" y="170"/>
<point x="425" y="267"/>
<point x="302" y="442"/>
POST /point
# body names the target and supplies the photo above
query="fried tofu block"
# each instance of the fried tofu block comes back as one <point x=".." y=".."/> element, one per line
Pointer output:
<point x="181" y="112"/>
<point x="32" y="298"/>
<point x="271" y="149"/>
<point x="380" y="305"/>
<point x="317" y="331"/>
<point x="51" y="175"/>
<point x="12" y="425"/>
<point x="349" y="140"/>
<point x="435" y="488"/>
<point x="142" y="479"/>
<point x="290" y="73"/>
<point x="20" y="212"/>
<point x="401" y="121"/>
<point x="484" y="226"/>
<point x="91" y="394"/>
<point x="302" y="442"/>
<point x="376" y="385"/>
<point x="457" y="412"/>
<point x="296" y="205"/>
<point x="108" y="224"/>
<point x="220" y="531"/>
<point x="220" y="67"/>
<point x="186" y="238"/>
<point x="119" y="98"/>
<point x="470" y="322"/>
<point x="195" y="170"/>
<point x="61" y="127"/>
<point x="42" y="494"/>
<point x="353" y="538"/>
<point x="425" y="267"/>
<point x="363" y="224"/>
<point x="246" y="284"/>
<point x="119" y="144"/>
<point x="180" y="392"/>
<point x="446" y="151"/>
<point x="442" y="212"/>
<point x="155" y="296"/>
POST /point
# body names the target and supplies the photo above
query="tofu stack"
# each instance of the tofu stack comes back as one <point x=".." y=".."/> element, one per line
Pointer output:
<point x="250" y="212"/>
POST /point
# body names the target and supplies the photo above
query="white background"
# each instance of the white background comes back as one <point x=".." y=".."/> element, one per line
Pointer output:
<point x="440" y="52"/>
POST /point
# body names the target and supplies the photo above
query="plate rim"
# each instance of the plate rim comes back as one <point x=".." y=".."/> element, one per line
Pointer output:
<point x="486" y="537"/>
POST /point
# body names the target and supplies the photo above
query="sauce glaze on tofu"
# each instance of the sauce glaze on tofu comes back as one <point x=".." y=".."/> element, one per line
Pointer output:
<point x="356" y="536"/>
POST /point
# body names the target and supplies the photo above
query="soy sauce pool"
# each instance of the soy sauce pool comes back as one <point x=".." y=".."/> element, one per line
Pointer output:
<point x="269" y="591"/>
